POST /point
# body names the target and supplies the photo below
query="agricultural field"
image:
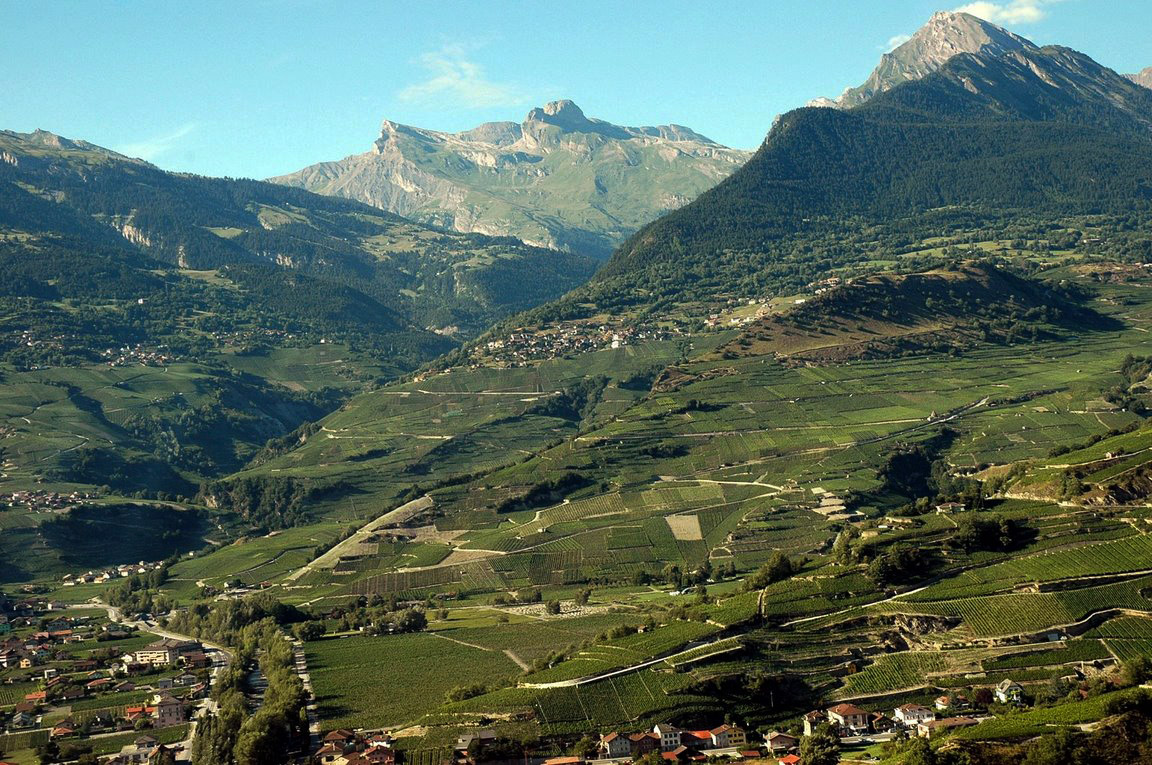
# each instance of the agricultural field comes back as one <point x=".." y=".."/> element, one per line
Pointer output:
<point x="540" y="515"/>
<point x="394" y="680"/>
<point x="893" y="672"/>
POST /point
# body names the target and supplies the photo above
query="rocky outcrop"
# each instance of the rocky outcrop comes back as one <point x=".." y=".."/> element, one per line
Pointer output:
<point x="946" y="34"/>
<point x="558" y="178"/>
<point x="1143" y="77"/>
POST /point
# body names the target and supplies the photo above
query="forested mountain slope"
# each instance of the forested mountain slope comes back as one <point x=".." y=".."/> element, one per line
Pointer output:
<point x="158" y="329"/>
<point x="1047" y="131"/>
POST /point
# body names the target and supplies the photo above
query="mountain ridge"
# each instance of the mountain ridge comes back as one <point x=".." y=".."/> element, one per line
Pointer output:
<point x="558" y="178"/>
<point x="1044" y="129"/>
<point x="60" y="190"/>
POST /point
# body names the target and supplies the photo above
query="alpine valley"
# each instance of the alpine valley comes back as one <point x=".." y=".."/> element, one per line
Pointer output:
<point x="558" y="441"/>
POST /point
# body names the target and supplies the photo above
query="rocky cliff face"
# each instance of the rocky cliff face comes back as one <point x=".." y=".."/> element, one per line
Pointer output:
<point x="558" y="179"/>
<point x="1143" y="77"/>
<point x="946" y="34"/>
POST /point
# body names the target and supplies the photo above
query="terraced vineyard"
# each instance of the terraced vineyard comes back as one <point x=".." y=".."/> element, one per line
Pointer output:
<point x="1022" y="613"/>
<point x="892" y="672"/>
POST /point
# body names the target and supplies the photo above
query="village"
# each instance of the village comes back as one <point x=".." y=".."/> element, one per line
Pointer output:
<point x="101" y="576"/>
<point x="73" y="679"/>
<point x="521" y="348"/>
<point x="40" y="501"/>
<point x="518" y="349"/>
<point x="853" y="726"/>
<point x="139" y="355"/>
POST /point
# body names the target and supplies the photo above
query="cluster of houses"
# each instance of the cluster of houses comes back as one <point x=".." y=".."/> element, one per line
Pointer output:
<point x="674" y="744"/>
<point x="246" y="337"/>
<point x="133" y="355"/>
<point x="825" y="285"/>
<point x="32" y="649"/>
<point x="144" y="749"/>
<point x="162" y="711"/>
<point x="42" y="501"/>
<point x="110" y="574"/>
<point x="62" y="678"/>
<point x="345" y="747"/>
<point x="849" y="720"/>
<point x="519" y="348"/>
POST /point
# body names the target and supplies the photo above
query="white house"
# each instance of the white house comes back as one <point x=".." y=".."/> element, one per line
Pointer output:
<point x="669" y="736"/>
<point x="1009" y="692"/>
<point x="914" y="714"/>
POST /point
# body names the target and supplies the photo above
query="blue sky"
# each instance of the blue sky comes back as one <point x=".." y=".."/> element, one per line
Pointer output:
<point x="261" y="87"/>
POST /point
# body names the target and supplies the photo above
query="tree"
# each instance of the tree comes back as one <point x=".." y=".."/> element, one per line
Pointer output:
<point x="1057" y="747"/>
<point x="994" y="533"/>
<point x="262" y="740"/>
<point x="821" y="748"/>
<point x="842" y="549"/>
<point x="778" y="568"/>
<point x="917" y="752"/>
<point x="899" y="563"/>
<point x="411" y="620"/>
<point x="306" y="631"/>
<point x="585" y="748"/>
<point x="1136" y="671"/>
<point x="651" y="758"/>
<point x="552" y="607"/>
<point x="464" y="692"/>
<point x="583" y="596"/>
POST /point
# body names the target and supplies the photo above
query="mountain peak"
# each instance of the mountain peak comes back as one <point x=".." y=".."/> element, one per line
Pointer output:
<point x="564" y="109"/>
<point x="1143" y="77"/>
<point x="567" y="116"/>
<point x="947" y="34"/>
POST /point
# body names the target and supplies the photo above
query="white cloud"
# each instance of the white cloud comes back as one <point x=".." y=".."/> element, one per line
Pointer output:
<point x="894" y="42"/>
<point x="456" y="78"/>
<point x="151" y="148"/>
<point x="1011" y="12"/>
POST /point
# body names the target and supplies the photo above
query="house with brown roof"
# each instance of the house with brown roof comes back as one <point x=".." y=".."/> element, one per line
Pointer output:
<point x="643" y="743"/>
<point x="378" y="755"/>
<point x="811" y="720"/>
<point x="63" y="729"/>
<point x="780" y="742"/>
<point x="169" y="711"/>
<point x="932" y="728"/>
<point x="725" y="736"/>
<point x="340" y="737"/>
<point x="951" y="702"/>
<point x="614" y="745"/>
<point x="848" y="717"/>
<point x="331" y="753"/>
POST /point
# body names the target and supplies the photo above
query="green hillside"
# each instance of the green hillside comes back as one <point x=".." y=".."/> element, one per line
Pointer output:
<point x="867" y="423"/>
<point x="157" y="330"/>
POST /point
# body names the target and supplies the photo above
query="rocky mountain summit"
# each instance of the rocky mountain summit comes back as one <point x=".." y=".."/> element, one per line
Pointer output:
<point x="947" y="34"/>
<point x="1143" y="77"/>
<point x="558" y="178"/>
